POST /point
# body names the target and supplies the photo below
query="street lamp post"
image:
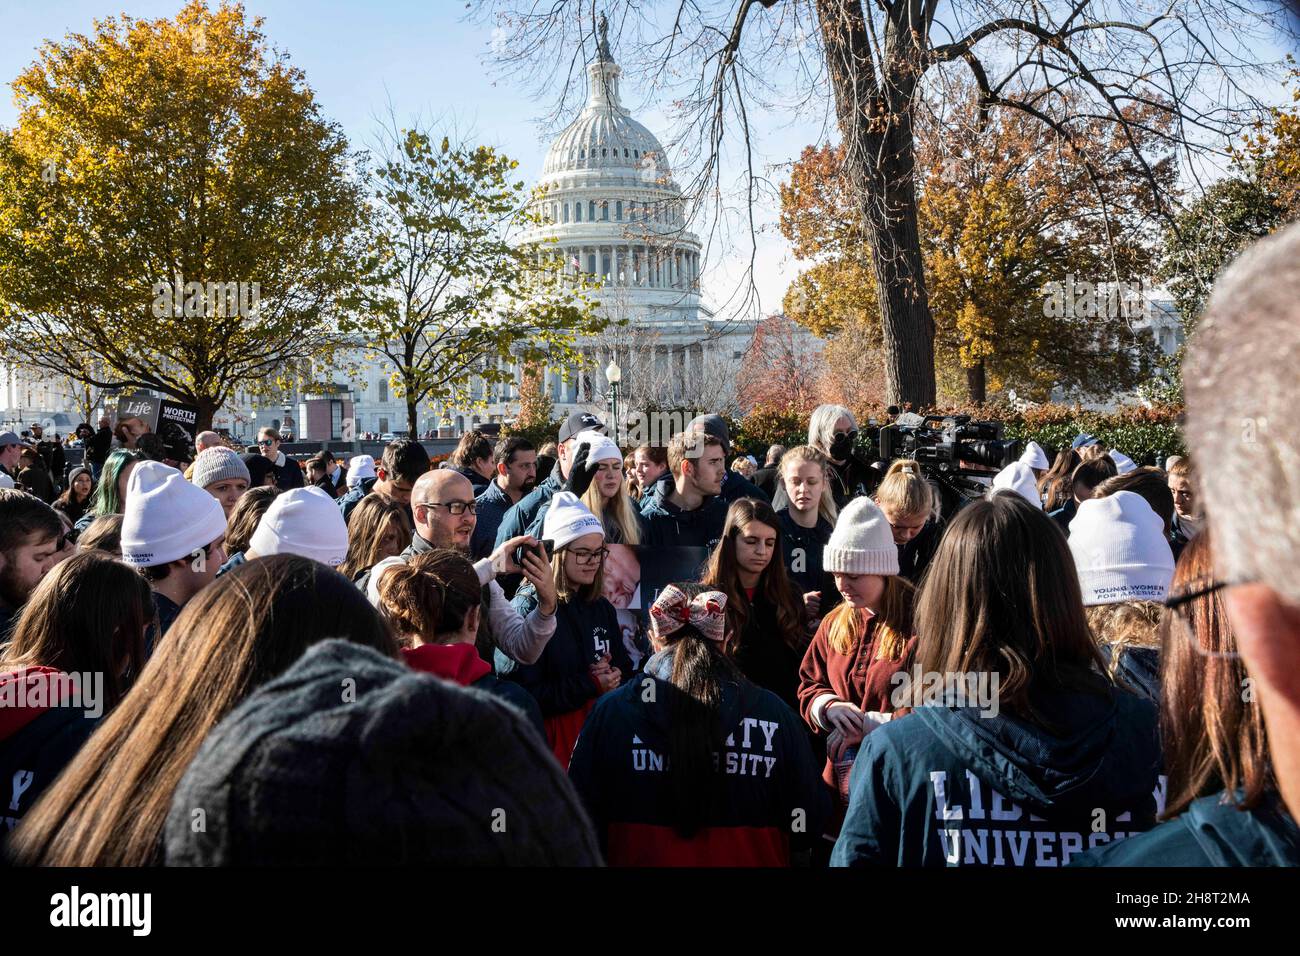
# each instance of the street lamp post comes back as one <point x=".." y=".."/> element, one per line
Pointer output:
<point x="614" y="375"/>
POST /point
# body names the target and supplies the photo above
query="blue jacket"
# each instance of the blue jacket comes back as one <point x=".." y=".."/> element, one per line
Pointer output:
<point x="1064" y="515"/>
<point x="492" y="506"/>
<point x="520" y="517"/>
<point x="947" y="786"/>
<point x="668" y="525"/>
<point x="354" y="496"/>
<point x="766" y="800"/>
<point x="1211" y="832"/>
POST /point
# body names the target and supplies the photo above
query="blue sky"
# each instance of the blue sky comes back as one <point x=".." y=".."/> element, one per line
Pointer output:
<point x="424" y="59"/>
<point x="420" y="56"/>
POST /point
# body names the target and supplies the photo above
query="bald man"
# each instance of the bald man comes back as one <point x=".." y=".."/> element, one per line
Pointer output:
<point x="442" y="503"/>
<point x="206" y="440"/>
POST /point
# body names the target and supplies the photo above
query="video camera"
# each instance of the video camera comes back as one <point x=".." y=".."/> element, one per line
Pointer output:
<point x="953" y="451"/>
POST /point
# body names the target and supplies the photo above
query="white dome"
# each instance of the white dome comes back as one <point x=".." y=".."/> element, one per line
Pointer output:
<point x="604" y="136"/>
<point x="603" y="139"/>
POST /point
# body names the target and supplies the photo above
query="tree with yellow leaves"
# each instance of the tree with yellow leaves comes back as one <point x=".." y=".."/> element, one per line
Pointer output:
<point x="1004" y="210"/>
<point x="173" y="204"/>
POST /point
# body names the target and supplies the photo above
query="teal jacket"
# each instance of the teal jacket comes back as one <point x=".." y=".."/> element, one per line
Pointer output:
<point x="1212" y="832"/>
<point x="948" y="786"/>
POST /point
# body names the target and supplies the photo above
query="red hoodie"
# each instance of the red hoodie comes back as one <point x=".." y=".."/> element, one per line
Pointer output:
<point x="458" y="663"/>
<point x="18" y="689"/>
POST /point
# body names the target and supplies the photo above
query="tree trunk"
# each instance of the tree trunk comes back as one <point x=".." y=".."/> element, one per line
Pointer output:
<point x="207" y="411"/>
<point x="875" y="120"/>
<point x="412" y="408"/>
<point x="977" y="383"/>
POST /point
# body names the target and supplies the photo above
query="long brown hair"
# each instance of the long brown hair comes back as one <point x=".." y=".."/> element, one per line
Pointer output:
<point x="248" y="511"/>
<point x="109" y="805"/>
<point x="1002" y="595"/>
<point x="1213" y="738"/>
<point x="431" y="595"/>
<point x="893" y="621"/>
<point x="1054" y="486"/>
<point x="695" y="731"/>
<point x="87" y="615"/>
<point x="369" y="521"/>
<point x="723" y="573"/>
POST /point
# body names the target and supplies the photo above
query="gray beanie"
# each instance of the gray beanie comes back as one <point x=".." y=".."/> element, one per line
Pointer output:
<point x="351" y="758"/>
<point x="218" y="464"/>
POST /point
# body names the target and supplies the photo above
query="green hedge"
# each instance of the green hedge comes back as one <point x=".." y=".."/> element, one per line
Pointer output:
<point x="1144" y="434"/>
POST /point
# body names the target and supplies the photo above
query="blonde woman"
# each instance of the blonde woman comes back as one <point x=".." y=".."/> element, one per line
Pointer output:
<point x="805" y="506"/>
<point x="845" y="678"/>
<point x="911" y="506"/>
<point x="603" y="492"/>
<point x="378" y="528"/>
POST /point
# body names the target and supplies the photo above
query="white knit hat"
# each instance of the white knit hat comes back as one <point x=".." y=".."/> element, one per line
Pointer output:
<point x="568" y="519"/>
<point x="1035" y="457"/>
<point x="218" y="464"/>
<point x="1019" y="477"/>
<point x="1120" y="550"/>
<point x="1123" y="463"/>
<point x="302" y="521"/>
<point x="602" y="447"/>
<point x="360" y="466"/>
<point x="862" y="542"/>
<point x="166" y="517"/>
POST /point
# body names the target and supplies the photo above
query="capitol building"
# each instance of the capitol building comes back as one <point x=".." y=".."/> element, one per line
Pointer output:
<point x="611" y="209"/>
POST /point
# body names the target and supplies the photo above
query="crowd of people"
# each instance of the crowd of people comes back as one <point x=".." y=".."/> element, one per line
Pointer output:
<point x="237" y="659"/>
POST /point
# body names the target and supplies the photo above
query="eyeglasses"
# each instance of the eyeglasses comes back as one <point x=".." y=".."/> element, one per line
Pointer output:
<point x="1179" y="604"/>
<point x="266" y="442"/>
<point x="587" y="556"/>
<point x="455" y="507"/>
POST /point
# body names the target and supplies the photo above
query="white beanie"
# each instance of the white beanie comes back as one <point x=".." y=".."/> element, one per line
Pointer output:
<point x="862" y="542"/>
<point x="302" y="521"/>
<point x="360" y="466"/>
<point x="1035" y="457"/>
<point x="568" y="519"/>
<point x="1123" y="463"/>
<point x="1120" y="550"/>
<point x="166" y="517"/>
<point x="602" y="447"/>
<point x="1019" y="477"/>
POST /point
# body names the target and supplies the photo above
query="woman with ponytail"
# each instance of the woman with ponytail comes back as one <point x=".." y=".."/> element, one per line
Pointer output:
<point x="846" y="678"/>
<point x="765" y="616"/>
<point x="433" y="603"/>
<point x="691" y="764"/>
<point x="911" y="506"/>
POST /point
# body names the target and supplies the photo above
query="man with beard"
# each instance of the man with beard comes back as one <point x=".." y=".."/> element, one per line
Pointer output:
<point x="442" y="502"/>
<point x="29" y="544"/>
<point x="516" y="467"/>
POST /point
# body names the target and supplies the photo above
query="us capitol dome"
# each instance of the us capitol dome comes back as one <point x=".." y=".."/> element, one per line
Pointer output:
<point x="611" y="209"/>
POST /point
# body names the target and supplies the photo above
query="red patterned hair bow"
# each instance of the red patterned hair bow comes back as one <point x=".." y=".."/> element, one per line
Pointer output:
<point x="673" y="610"/>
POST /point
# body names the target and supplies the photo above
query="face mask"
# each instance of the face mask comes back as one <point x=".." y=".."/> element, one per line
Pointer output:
<point x="842" y="446"/>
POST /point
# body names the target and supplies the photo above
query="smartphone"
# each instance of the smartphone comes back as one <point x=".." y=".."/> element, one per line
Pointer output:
<point x="544" y="551"/>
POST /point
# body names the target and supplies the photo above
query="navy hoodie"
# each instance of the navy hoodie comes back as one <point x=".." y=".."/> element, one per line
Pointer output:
<point x="37" y="740"/>
<point x="561" y="680"/>
<point x="767" y="800"/>
<point x="801" y="548"/>
<point x="946" y="786"/>
<point x="1210" y="833"/>
<point x="668" y="525"/>
<point x="520" y="516"/>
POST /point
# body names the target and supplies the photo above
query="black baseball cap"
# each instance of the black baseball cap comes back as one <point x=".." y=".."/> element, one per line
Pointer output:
<point x="580" y="422"/>
<point x="714" y="425"/>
